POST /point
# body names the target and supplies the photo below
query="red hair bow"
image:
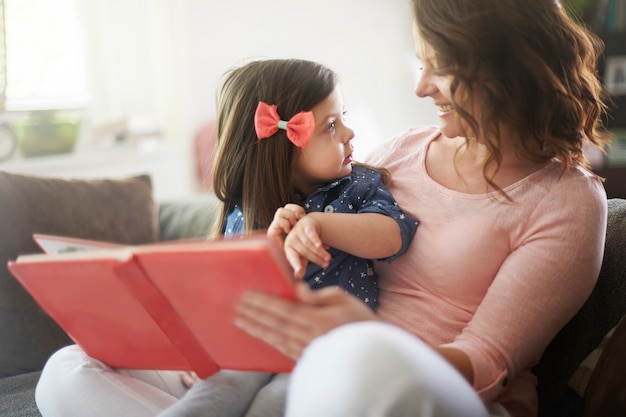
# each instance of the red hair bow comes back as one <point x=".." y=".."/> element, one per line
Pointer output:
<point x="299" y="128"/>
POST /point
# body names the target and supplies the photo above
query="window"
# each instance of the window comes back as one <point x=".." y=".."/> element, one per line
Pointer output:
<point x="42" y="56"/>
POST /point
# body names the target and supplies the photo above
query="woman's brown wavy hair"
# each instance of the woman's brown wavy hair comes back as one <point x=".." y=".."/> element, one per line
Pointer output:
<point x="528" y="66"/>
<point x="256" y="174"/>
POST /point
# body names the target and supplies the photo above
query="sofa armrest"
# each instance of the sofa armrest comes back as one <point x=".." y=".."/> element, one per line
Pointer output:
<point x="600" y="313"/>
<point x="605" y="395"/>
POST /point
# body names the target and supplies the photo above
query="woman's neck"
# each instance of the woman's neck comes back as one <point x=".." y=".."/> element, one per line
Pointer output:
<point x="459" y="164"/>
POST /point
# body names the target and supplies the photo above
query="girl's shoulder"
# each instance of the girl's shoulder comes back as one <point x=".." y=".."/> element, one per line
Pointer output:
<point x="234" y="224"/>
<point x="363" y="171"/>
<point x="362" y="177"/>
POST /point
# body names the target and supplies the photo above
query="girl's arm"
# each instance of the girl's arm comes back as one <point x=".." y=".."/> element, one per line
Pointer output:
<point x="366" y="235"/>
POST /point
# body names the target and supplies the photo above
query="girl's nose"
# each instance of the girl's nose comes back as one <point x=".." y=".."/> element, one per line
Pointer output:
<point x="349" y="135"/>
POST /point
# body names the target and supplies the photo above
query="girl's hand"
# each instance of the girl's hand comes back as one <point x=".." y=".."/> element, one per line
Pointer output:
<point x="284" y="220"/>
<point x="290" y="325"/>
<point x="304" y="244"/>
<point x="299" y="234"/>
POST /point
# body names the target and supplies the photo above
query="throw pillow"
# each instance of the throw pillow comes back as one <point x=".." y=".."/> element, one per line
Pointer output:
<point x="119" y="211"/>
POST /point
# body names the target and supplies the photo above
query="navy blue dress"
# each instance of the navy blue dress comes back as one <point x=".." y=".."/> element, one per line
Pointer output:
<point x="360" y="192"/>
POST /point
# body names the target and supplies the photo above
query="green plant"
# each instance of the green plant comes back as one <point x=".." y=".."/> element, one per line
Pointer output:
<point x="576" y="8"/>
<point x="578" y="4"/>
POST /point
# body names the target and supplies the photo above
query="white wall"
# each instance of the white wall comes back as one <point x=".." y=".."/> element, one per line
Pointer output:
<point x="367" y="42"/>
<point x="163" y="59"/>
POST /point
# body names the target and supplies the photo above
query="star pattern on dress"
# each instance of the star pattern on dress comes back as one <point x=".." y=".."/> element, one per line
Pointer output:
<point x="362" y="191"/>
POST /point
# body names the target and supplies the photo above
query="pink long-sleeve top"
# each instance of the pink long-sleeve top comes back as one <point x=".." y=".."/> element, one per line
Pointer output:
<point x="493" y="278"/>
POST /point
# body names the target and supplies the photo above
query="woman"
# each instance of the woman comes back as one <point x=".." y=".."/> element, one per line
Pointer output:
<point x="511" y="236"/>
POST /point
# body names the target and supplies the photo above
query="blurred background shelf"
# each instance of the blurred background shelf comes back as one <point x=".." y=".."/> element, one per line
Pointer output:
<point x="169" y="165"/>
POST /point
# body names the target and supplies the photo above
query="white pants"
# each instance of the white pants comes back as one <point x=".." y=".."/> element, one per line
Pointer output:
<point x="74" y="384"/>
<point x="372" y="369"/>
<point x="358" y="370"/>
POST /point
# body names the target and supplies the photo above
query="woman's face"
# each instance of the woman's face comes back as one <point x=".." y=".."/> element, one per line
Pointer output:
<point x="436" y="87"/>
<point x="328" y="154"/>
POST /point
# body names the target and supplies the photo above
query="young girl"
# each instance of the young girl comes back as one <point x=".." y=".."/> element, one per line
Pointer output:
<point x="284" y="163"/>
<point x="282" y="139"/>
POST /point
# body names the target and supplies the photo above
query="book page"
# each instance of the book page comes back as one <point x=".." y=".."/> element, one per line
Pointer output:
<point x="54" y="245"/>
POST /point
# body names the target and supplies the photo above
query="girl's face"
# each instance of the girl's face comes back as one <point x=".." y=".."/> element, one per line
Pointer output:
<point x="328" y="155"/>
<point x="436" y="87"/>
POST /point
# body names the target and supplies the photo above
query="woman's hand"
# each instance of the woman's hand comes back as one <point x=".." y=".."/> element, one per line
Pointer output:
<point x="290" y="325"/>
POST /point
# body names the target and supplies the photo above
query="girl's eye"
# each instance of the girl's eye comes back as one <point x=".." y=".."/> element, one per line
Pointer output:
<point x="343" y="115"/>
<point x="420" y="65"/>
<point x="331" y="127"/>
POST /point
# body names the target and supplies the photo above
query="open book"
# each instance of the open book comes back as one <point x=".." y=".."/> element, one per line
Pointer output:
<point x="158" y="306"/>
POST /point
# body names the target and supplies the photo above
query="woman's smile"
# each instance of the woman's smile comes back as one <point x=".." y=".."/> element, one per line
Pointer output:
<point x="445" y="109"/>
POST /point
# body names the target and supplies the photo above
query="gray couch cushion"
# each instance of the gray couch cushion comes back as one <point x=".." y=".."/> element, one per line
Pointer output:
<point x="120" y="211"/>
<point x="17" y="395"/>
<point x="187" y="218"/>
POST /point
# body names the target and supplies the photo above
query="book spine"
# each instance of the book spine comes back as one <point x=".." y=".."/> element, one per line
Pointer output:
<point x="166" y="317"/>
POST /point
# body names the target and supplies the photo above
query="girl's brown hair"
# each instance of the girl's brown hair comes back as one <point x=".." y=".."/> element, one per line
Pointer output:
<point x="528" y="66"/>
<point x="257" y="174"/>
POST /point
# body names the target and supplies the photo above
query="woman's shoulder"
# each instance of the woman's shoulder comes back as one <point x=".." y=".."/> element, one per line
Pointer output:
<point x="407" y="143"/>
<point x="574" y="189"/>
<point x="575" y="180"/>
<point x="416" y="136"/>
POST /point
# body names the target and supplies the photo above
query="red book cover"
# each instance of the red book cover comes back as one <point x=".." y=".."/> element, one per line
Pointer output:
<point x="161" y="306"/>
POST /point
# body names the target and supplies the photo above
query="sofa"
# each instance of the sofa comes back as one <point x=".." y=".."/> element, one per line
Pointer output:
<point x="582" y="370"/>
